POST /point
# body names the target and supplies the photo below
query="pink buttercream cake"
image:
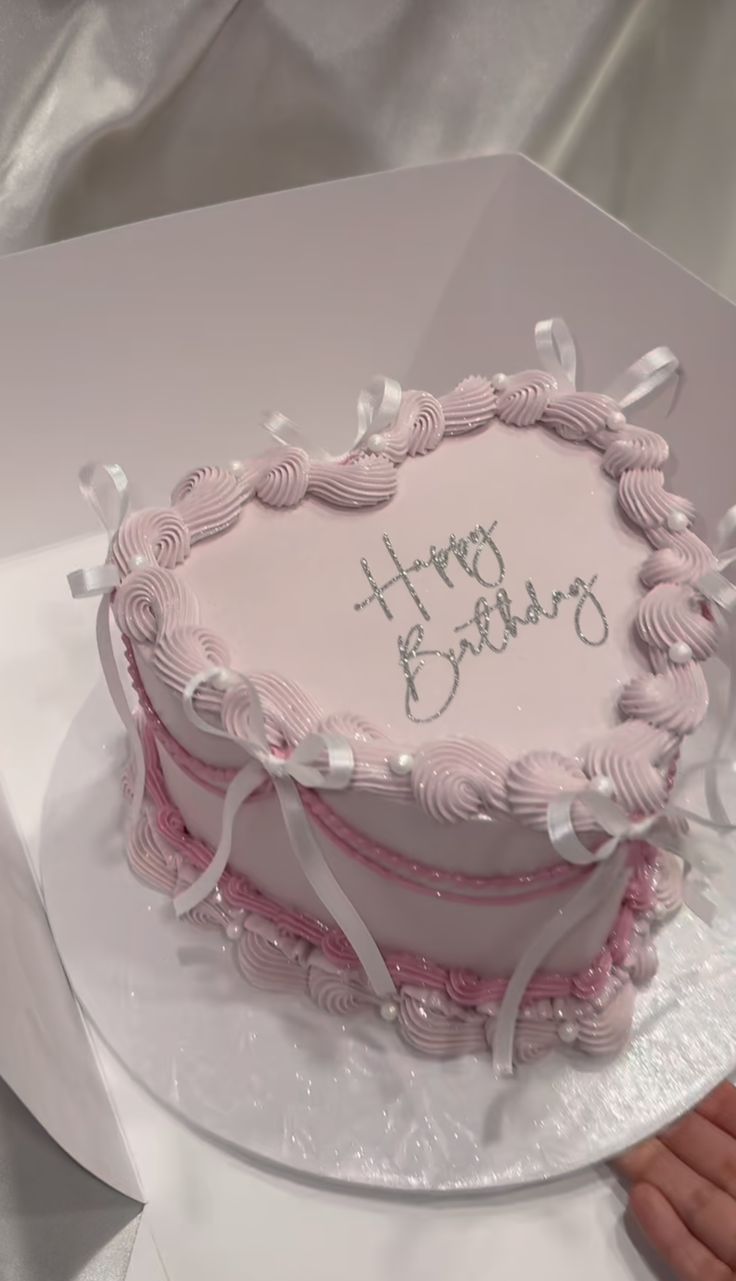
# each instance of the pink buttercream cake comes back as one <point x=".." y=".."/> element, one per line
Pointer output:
<point x="493" y="603"/>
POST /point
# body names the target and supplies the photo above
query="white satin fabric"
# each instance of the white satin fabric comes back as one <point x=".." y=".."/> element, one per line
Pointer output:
<point x="112" y="112"/>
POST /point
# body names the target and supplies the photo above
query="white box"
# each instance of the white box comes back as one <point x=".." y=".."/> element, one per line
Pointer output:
<point x="158" y="346"/>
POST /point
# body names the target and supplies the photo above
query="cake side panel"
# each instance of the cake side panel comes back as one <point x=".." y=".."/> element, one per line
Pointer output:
<point x="485" y="845"/>
<point x="457" y="930"/>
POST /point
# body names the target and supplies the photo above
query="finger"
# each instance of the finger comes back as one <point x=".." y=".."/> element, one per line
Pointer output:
<point x="706" y="1149"/>
<point x="707" y="1212"/>
<point x="687" y="1256"/>
<point x="720" y="1108"/>
<point x="634" y="1164"/>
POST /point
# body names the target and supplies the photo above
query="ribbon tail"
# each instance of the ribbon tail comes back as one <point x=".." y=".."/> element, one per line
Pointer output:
<point x="695" y="896"/>
<point x="606" y="881"/>
<point x="647" y="374"/>
<point x="286" y="433"/>
<point x="556" y="349"/>
<point x="724" y="539"/>
<point x="238" y="790"/>
<point x="329" y="891"/>
<point x="721" y="592"/>
<point x="714" y="799"/>
<point x="378" y="405"/>
<point x="115" y="687"/>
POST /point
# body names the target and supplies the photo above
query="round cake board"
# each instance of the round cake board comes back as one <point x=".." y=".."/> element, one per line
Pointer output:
<point x="347" y="1102"/>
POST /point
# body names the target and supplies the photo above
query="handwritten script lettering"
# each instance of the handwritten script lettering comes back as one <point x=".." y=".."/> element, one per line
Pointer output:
<point x="432" y="675"/>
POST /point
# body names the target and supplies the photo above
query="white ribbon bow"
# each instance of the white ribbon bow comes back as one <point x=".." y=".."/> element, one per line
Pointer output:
<point x="557" y="352"/>
<point x="608" y="881"/>
<point x="320" y="761"/>
<point x="105" y="488"/>
<point x="378" y="405"/>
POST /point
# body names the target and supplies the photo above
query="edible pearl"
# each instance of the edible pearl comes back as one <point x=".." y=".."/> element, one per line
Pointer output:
<point x="567" y="1033"/>
<point x="499" y="381"/>
<point x="375" y="443"/>
<point x="603" y="784"/>
<point x="234" y="929"/>
<point x="401" y="763"/>
<point x="680" y="652"/>
<point x="615" y="420"/>
<point x="222" y="678"/>
<point x="236" y="467"/>
<point x="138" y="561"/>
<point x="389" y="1011"/>
<point x="677" y="521"/>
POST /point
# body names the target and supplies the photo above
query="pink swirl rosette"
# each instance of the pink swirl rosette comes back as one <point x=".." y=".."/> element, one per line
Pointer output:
<point x="332" y="992"/>
<point x="154" y="535"/>
<point x="363" y="481"/>
<point x="458" y="779"/>
<point x="151" y="602"/>
<point x="607" y="1031"/>
<point x="526" y="398"/>
<point x="468" y="406"/>
<point x="430" y="1024"/>
<point x="284" y="479"/>
<point x="208" y="500"/>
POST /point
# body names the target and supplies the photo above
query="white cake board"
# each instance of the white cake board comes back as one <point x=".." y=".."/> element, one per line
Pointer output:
<point x="290" y="1086"/>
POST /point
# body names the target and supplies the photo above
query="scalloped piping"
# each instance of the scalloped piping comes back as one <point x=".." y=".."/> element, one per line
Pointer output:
<point x="454" y="780"/>
<point x="439" y="1012"/>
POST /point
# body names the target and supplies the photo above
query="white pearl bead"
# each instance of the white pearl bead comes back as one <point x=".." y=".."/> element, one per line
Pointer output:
<point x="677" y="521"/>
<point x="603" y="784"/>
<point x="500" y="382"/>
<point x="234" y="929"/>
<point x="222" y="678"/>
<point x="389" y="1011"/>
<point x="567" y="1033"/>
<point x="138" y="561"/>
<point x="236" y="467"/>
<point x="375" y="443"/>
<point x="615" y="420"/>
<point x="680" y="652"/>
<point x="559" y="1009"/>
<point x="401" y="763"/>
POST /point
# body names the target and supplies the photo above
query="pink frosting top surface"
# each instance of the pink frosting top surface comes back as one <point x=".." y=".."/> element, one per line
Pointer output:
<point x="281" y="587"/>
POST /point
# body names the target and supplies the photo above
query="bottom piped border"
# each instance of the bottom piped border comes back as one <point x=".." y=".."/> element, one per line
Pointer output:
<point x="280" y="951"/>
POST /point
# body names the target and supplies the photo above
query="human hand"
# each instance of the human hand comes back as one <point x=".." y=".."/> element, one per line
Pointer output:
<point x="684" y="1190"/>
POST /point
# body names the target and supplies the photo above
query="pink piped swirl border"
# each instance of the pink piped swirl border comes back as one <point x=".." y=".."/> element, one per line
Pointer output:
<point x="452" y="780"/>
<point x="438" y="1012"/>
